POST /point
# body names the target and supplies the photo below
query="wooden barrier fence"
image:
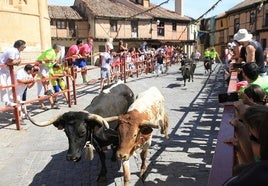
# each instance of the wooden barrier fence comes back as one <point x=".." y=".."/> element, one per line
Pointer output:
<point x="224" y="158"/>
<point x="141" y="66"/>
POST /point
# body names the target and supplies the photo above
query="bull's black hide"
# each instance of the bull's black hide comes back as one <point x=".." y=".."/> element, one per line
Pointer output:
<point x="188" y="70"/>
<point x="79" y="128"/>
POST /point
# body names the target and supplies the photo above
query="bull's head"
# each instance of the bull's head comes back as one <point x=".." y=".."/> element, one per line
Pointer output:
<point x="75" y="125"/>
<point x="133" y="134"/>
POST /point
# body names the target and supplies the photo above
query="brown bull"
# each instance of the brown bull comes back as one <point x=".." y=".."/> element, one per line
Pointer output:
<point x="136" y="126"/>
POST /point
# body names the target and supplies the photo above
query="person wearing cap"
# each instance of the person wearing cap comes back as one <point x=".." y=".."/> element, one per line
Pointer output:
<point x="254" y="51"/>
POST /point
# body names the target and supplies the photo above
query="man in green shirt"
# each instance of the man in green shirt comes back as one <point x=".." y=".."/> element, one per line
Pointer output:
<point x="213" y="54"/>
<point x="46" y="60"/>
<point x="207" y="53"/>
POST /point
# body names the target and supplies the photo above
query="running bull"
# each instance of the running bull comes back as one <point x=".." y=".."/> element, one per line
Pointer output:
<point x="136" y="126"/>
<point x="90" y="126"/>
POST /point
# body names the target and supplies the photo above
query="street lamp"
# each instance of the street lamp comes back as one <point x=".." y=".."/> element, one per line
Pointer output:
<point x="157" y="22"/>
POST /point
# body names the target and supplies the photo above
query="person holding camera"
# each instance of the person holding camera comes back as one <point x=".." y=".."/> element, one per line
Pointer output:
<point x="106" y="61"/>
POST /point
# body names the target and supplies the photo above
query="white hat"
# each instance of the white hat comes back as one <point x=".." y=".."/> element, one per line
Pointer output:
<point x="242" y="35"/>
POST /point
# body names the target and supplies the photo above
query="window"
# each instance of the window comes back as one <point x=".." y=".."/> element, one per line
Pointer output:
<point x="61" y="24"/>
<point x="174" y="26"/>
<point x="161" y="29"/>
<point x="252" y="18"/>
<point x="134" y="29"/>
<point x="137" y="1"/>
<point x="236" y="25"/>
<point x="266" y="18"/>
<point x="113" y="25"/>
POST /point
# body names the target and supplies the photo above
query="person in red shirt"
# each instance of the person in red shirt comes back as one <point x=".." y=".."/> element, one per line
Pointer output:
<point x="85" y="52"/>
<point x="73" y="53"/>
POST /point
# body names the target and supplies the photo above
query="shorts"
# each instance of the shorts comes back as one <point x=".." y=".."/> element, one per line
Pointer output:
<point x="80" y="63"/>
<point x="60" y="86"/>
<point x="105" y="72"/>
<point x="56" y="88"/>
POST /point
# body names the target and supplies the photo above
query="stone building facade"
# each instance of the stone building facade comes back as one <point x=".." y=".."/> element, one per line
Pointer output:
<point x="26" y="20"/>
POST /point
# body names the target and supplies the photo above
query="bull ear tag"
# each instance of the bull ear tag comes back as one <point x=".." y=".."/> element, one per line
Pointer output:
<point x="89" y="151"/>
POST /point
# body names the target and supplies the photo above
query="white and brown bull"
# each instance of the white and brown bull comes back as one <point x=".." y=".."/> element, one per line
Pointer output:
<point x="136" y="126"/>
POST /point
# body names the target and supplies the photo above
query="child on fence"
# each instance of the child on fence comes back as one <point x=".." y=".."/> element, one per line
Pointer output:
<point x="129" y="64"/>
<point x="58" y="83"/>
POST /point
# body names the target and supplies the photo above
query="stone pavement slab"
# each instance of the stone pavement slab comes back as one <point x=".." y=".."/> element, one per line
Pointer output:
<point x="36" y="156"/>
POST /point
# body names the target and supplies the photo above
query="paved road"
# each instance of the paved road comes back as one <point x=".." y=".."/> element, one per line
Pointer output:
<point x="36" y="156"/>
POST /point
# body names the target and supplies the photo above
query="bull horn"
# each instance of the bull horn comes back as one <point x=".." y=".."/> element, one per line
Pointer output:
<point x="41" y="124"/>
<point x="99" y="119"/>
<point x="112" y="118"/>
<point x="150" y="124"/>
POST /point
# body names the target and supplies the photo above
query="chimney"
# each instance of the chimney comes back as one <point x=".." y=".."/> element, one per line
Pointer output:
<point x="146" y="3"/>
<point x="179" y="7"/>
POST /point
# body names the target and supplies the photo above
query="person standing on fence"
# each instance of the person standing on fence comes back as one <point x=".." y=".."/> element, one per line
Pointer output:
<point x="10" y="57"/>
<point x="46" y="60"/>
<point x="122" y="49"/>
<point x="58" y="83"/>
<point x="24" y="77"/>
<point x="85" y="51"/>
<point x="142" y="51"/>
<point x="73" y="53"/>
<point x="106" y="61"/>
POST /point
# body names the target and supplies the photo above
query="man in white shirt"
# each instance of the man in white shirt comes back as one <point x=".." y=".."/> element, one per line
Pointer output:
<point x="10" y="57"/>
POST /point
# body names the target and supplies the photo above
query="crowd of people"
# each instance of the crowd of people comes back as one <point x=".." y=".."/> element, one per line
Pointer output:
<point x="49" y="69"/>
<point x="246" y="56"/>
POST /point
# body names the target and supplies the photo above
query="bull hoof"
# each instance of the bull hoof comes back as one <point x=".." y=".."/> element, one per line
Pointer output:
<point x="143" y="174"/>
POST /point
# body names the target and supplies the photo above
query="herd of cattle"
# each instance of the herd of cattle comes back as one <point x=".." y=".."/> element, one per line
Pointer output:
<point x="114" y="118"/>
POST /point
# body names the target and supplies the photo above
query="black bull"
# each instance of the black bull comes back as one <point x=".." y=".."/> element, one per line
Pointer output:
<point x="81" y="127"/>
<point x="188" y="70"/>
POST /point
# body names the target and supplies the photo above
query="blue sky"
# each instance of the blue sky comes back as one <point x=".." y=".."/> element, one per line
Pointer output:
<point x="192" y="8"/>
